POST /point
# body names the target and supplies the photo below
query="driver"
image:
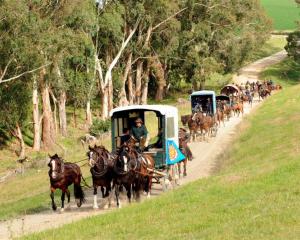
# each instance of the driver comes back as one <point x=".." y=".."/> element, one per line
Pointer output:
<point x="140" y="132"/>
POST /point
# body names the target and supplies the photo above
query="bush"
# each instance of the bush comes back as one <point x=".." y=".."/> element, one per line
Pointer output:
<point x="99" y="127"/>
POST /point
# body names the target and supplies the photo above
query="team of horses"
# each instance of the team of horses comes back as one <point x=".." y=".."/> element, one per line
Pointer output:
<point x="128" y="168"/>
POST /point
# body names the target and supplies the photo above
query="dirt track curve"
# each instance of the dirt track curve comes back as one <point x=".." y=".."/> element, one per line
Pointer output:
<point x="206" y="154"/>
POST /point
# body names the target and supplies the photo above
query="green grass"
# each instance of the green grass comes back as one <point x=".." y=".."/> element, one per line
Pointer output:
<point x="286" y="73"/>
<point x="284" y="13"/>
<point x="255" y="196"/>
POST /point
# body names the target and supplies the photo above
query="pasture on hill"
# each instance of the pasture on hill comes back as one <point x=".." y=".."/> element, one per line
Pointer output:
<point x="283" y="12"/>
<point x="255" y="196"/>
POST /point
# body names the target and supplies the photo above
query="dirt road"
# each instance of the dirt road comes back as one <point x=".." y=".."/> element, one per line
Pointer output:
<point x="206" y="154"/>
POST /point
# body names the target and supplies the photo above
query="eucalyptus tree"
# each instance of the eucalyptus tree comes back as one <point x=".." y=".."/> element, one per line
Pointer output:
<point x="218" y="36"/>
<point x="17" y="61"/>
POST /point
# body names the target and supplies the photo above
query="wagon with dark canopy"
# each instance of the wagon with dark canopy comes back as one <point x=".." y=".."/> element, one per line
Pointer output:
<point x="223" y="98"/>
<point x="230" y="89"/>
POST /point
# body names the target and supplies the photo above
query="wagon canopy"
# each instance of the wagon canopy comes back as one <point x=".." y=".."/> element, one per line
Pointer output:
<point x="222" y="98"/>
<point x="230" y="89"/>
<point x="201" y="98"/>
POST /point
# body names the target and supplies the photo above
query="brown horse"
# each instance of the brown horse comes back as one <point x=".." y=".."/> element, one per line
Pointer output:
<point x="238" y="108"/>
<point x="144" y="168"/>
<point x="193" y="128"/>
<point x="227" y="111"/>
<point x="205" y="123"/>
<point x="101" y="163"/>
<point x="62" y="175"/>
<point x="185" y="119"/>
<point x="220" y="117"/>
<point x="186" y="151"/>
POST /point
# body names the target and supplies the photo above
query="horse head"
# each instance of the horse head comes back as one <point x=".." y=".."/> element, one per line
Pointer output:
<point x="99" y="158"/>
<point x="127" y="157"/>
<point x="56" y="165"/>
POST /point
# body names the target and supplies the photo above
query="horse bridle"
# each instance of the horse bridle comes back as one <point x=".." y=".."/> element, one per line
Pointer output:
<point x="127" y="162"/>
<point x="62" y="167"/>
<point x="96" y="163"/>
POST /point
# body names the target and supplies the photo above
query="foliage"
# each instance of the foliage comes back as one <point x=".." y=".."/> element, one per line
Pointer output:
<point x="99" y="126"/>
<point x="293" y="45"/>
<point x="13" y="113"/>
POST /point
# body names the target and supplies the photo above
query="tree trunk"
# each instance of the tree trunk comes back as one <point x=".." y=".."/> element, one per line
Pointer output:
<point x="138" y="81"/>
<point x="160" y="79"/>
<point x="202" y="85"/>
<point x="36" y="118"/>
<point x="110" y="95"/>
<point x="104" y="110"/>
<point x="144" y="99"/>
<point x="18" y="134"/>
<point x="62" y="113"/>
<point x="123" y="99"/>
<point x="74" y="116"/>
<point x="130" y="88"/>
<point x="47" y="134"/>
<point x="195" y="85"/>
<point x="88" y="114"/>
<point x="54" y="113"/>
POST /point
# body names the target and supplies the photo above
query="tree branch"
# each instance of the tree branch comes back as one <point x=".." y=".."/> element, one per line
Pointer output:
<point x="22" y="74"/>
<point x="117" y="57"/>
<point x="168" y="18"/>
<point x="5" y="69"/>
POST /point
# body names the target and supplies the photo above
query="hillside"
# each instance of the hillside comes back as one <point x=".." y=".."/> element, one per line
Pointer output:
<point x="278" y="10"/>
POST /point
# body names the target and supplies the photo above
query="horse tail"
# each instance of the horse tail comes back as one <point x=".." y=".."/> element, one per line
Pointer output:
<point x="79" y="194"/>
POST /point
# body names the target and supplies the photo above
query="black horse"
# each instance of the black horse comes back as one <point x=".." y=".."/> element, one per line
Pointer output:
<point x="62" y="175"/>
<point x="101" y="163"/>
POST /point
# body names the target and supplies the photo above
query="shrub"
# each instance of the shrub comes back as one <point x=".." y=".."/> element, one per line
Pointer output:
<point x="99" y="127"/>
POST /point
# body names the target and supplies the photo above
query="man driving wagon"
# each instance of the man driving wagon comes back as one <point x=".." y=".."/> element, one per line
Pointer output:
<point x="140" y="133"/>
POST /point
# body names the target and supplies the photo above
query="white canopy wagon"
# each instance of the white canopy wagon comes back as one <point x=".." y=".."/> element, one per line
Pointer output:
<point x="161" y="119"/>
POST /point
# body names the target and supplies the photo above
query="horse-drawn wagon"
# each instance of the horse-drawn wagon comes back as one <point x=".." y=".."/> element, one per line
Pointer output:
<point x="161" y="122"/>
<point x="230" y="89"/>
<point x="205" y="102"/>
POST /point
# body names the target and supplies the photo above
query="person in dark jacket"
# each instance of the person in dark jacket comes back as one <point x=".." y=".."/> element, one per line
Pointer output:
<point x="140" y="133"/>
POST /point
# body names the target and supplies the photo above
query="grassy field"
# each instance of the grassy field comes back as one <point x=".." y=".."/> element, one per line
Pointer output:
<point x="286" y="73"/>
<point x="283" y="12"/>
<point x="255" y="196"/>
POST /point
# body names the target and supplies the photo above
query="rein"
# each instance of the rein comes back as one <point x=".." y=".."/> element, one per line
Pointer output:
<point x="81" y="161"/>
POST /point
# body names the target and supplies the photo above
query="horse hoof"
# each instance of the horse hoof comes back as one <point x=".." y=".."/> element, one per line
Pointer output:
<point x="54" y="208"/>
<point x="95" y="207"/>
<point x="148" y="195"/>
<point x="62" y="210"/>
